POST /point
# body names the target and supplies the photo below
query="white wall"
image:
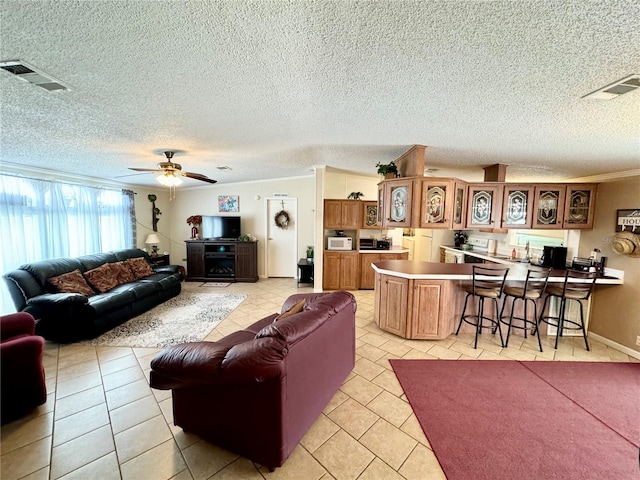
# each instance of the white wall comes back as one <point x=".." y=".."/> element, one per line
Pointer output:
<point x="204" y="201"/>
<point x="339" y="184"/>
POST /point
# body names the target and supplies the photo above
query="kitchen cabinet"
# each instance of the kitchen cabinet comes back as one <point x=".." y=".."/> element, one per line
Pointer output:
<point x="392" y="310"/>
<point x="340" y="271"/>
<point x="370" y="215"/>
<point x="342" y="214"/>
<point x="367" y="274"/>
<point x="397" y="203"/>
<point x="443" y="202"/>
<point x="579" y="206"/>
<point x="428" y="296"/>
<point x="415" y="309"/>
<point x="247" y="262"/>
<point x="548" y="206"/>
<point x="517" y="209"/>
<point x="484" y="202"/>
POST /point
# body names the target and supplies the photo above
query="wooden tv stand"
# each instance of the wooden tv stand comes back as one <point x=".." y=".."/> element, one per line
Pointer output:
<point x="222" y="260"/>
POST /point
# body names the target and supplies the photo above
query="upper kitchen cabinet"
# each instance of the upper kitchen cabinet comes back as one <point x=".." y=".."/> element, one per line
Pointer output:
<point x="517" y="206"/>
<point x="484" y="202"/>
<point x="548" y="206"/>
<point x="370" y="215"/>
<point x="443" y="202"/>
<point x="579" y="206"/>
<point x="342" y="214"/>
<point x="397" y="202"/>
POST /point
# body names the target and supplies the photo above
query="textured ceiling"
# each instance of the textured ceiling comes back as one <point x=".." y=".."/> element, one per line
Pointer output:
<point x="271" y="88"/>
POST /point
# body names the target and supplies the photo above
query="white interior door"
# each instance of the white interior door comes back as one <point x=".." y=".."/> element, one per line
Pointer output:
<point x="282" y="245"/>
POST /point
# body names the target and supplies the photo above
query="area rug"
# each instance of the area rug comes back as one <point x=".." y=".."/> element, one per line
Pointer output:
<point x="215" y="284"/>
<point x="527" y="420"/>
<point x="189" y="317"/>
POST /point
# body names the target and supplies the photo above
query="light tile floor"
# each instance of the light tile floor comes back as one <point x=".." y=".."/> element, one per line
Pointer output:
<point x="103" y="421"/>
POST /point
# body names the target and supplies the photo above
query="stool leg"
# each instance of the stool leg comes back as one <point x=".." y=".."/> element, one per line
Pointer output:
<point x="524" y="322"/>
<point x="513" y="305"/>
<point x="498" y="322"/>
<point x="584" y="330"/>
<point x="464" y="309"/>
<point x="536" y="330"/>
<point x="479" y="323"/>
<point x="560" y="322"/>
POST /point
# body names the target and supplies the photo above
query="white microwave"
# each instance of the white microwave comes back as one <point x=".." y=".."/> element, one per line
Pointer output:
<point x="339" y="243"/>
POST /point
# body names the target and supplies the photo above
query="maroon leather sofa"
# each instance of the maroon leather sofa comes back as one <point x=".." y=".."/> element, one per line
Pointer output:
<point x="257" y="391"/>
<point x="22" y="383"/>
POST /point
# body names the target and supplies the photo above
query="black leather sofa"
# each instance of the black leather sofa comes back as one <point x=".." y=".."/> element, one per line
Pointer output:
<point x="68" y="317"/>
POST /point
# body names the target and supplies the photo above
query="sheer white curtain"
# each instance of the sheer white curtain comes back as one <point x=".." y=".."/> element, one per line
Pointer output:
<point x="42" y="219"/>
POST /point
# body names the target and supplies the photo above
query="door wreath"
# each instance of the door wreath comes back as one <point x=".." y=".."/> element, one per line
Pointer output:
<point x="282" y="219"/>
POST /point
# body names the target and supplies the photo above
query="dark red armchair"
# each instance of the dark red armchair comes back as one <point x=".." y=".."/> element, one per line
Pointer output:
<point x="22" y="383"/>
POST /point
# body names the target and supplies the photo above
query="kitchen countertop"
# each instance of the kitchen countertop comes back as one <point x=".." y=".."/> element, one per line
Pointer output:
<point x="497" y="257"/>
<point x="463" y="271"/>
<point x="392" y="249"/>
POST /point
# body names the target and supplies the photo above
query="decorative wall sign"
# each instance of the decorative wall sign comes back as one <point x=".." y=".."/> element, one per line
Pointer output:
<point x="628" y="220"/>
<point x="228" y="203"/>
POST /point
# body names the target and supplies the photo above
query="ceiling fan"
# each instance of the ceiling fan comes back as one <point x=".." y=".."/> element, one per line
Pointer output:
<point x="171" y="172"/>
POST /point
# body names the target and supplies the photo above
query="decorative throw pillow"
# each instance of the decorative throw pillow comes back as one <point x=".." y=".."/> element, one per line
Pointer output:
<point x="72" y="282"/>
<point x="139" y="267"/>
<point x="122" y="273"/>
<point x="298" y="307"/>
<point x="101" y="278"/>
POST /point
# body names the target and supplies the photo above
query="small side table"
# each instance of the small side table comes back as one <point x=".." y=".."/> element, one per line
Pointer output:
<point x="305" y="271"/>
<point x="160" y="260"/>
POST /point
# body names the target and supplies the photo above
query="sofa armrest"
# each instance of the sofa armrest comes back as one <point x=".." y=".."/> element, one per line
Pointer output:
<point x="15" y="324"/>
<point x="166" y="269"/>
<point x="57" y="299"/>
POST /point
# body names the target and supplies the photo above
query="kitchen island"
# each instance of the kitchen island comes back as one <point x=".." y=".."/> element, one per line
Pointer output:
<point x="423" y="300"/>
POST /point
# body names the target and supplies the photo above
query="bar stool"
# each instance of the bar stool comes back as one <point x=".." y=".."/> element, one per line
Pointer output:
<point x="534" y="286"/>
<point x="577" y="286"/>
<point x="486" y="283"/>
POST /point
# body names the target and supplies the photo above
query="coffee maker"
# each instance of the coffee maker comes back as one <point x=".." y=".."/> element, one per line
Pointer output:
<point x="554" y="257"/>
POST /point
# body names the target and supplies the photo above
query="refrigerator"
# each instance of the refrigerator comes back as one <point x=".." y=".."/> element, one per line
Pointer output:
<point x="427" y="244"/>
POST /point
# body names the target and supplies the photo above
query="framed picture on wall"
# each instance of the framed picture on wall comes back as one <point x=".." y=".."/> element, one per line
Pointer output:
<point x="228" y="203"/>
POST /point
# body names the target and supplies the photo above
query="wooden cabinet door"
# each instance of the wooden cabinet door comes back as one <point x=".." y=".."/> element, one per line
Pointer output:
<point x="351" y="214"/>
<point x="349" y="271"/>
<point x="579" y="206"/>
<point x="381" y="204"/>
<point x="398" y="203"/>
<point x="483" y="205"/>
<point x="459" y="210"/>
<point x="517" y="206"/>
<point x="246" y="261"/>
<point x="425" y="315"/>
<point x="195" y="260"/>
<point x="333" y="214"/>
<point x="437" y="203"/>
<point x="548" y="206"/>
<point x="369" y="215"/>
<point x="393" y="304"/>
<point x="367" y="273"/>
<point x="331" y="271"/>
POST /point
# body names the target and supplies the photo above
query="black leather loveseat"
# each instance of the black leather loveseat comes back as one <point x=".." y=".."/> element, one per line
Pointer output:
<point x="68" y="317"/>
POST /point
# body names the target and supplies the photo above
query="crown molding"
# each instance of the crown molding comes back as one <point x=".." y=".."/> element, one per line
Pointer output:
<point x="608" y="177"/>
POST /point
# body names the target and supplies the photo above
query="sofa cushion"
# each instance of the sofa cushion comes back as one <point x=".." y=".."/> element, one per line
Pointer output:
<point x="95" y="260"/>
<point x="72" y="282"/>
<point x="166" y="281"/>
<point x="122" y="273"/>
<point x="139" y="267"/>
<point x="101" y="278"/>
<point x="45" y="269"/>
<point x="105" y="302"/>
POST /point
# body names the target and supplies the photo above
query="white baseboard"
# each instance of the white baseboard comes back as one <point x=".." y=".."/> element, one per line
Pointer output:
<point x="617" y="346"/>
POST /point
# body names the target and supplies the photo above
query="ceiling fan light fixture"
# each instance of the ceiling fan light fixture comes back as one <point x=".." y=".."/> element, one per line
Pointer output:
<point x="168" y="180"/>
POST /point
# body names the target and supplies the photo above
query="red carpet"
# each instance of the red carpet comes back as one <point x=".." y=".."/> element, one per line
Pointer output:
<point x="527" y="420"/>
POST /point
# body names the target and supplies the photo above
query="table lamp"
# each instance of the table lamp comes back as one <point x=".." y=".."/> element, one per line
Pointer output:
<point x="153" y="240"/>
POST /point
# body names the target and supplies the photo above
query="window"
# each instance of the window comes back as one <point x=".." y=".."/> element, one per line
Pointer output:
<point x="42" y="219"/>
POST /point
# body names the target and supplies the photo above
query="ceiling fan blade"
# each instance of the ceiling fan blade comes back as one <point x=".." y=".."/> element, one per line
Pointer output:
<point x="198" y="176"/>
<point x="147" y="170"/>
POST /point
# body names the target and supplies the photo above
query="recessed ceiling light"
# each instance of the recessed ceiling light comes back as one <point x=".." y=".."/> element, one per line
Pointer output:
<point x="614" y="90"/>
<point x="30" y="74"/>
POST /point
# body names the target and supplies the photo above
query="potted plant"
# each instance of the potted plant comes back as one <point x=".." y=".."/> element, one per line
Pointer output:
<point x="310" y="253"/>
<point x="388" y="170"/>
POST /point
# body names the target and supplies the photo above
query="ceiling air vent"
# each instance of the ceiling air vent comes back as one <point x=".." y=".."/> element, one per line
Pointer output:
<point x="626" y="85"/>
<point x="30" y="74"/>
<point x="224" y="168"/>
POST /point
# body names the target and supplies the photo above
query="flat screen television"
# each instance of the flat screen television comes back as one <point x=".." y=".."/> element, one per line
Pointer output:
<point x="220" y="228"/>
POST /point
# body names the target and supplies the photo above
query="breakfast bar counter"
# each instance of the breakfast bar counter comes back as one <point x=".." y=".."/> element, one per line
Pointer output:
<point x="423" y="300"/>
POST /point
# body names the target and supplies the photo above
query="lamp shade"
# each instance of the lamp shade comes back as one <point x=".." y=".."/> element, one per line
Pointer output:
<point x="168" y="179"/>
<point x="152" y="239"/>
